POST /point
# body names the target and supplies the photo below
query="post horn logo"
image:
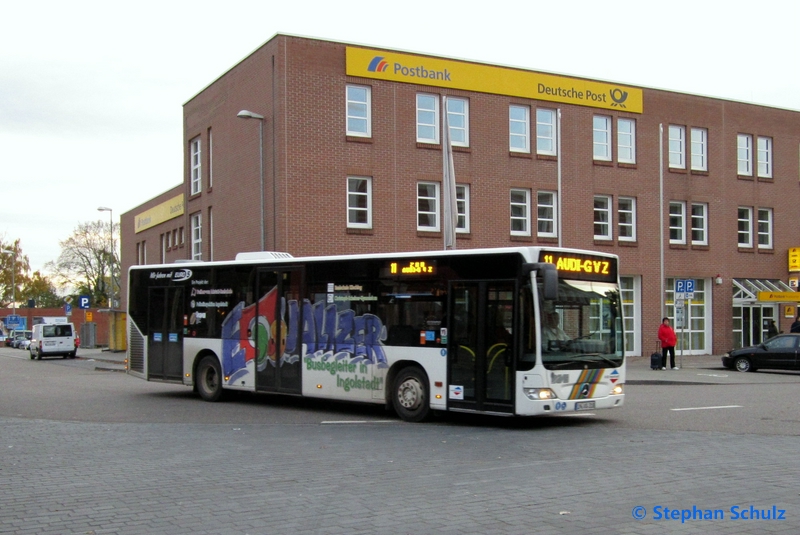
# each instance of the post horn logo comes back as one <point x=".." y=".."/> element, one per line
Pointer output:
<point x="619" y="97"/>
<point x="378" y="64"/>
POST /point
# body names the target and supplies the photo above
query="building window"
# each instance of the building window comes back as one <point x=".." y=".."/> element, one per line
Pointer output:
<point x="765" y="157"/>
<point x="210" y="224"/>
<point x="546" y="132"/>
<point x="210" y="163"/>
<point x="765" y="228"/>
<point x="195" y="166"/>
<point x="546" y="214"/>
<point x="359" y="202"/>
<point x="164" y="248"/>
<point x="359" y="111"/>
<point x="519" y="129"/>
<point x="520" y="212"/>
<point x="677" y="147"/>
<point x="626" y="218"/>
<point x="602" y="217"/>
<point x="626" y="140"/>
<point x="182" y="236"/>
<point x="699" y="144"/>
<point x="745" y="224"/>
<point x="744" y="154"/>
<point x="462" y="208"/>
<point x="677" y="222"/>
<point x="458" y="121"/>
<point x="175" y="237"/>
<point x="601" y="138"/>
<point x="141" y="252"/>
<point x="699" y="224"/>
<point x="427" y="118"/>
<point x="168" y="237"/>
<point x="197" y="236"/>
<point x="428" y="206"/>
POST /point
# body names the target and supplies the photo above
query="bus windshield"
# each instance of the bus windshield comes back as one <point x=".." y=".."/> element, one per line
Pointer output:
<point x="582" y="328"/>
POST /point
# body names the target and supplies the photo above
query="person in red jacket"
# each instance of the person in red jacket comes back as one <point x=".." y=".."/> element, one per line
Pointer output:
<point x="666" y="335"/>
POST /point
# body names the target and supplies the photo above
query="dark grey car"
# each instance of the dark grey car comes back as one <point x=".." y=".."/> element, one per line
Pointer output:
<point x="777" y="353"/>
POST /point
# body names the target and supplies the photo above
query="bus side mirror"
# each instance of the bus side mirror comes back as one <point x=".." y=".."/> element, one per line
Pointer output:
<point x="549" y="278"/>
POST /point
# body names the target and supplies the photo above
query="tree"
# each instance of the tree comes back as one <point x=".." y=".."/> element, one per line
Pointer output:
<point x="86" y="261"/>
<point x="41" y="290"/>
<point x="14" y="268"/>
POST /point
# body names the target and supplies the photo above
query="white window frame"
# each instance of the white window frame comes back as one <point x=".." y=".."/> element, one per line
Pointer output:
<point x="744" y="217"/>
<point x="210" y="160"/>
<point x="677" y="222"/>
<point x="458" y="121"/>
<point x="462" y="208"/>
<point x="601" y="138"/>
<point x="626" y="140"/>
<point x="699" y="144"/>
<point x="764" y="157"/>
<point x="764" y="228"/>
<point x="520" y="211"/>
<point x="546" y="134"/>
<point x="699" y="223"/>
<point x="626" y="218"/>
<point x="196" y="165"/>
<point x="677" y="146"/>
<point x="432" y="208"/>
<point x="359" y="110"/>
<point x="427" y="118"/>
<point x="603" y="209"/>
<point x="359" y="202"/>
<point x="546" y="208"/>
<point x="744" y="155"/>
<point x="197" y="235"/>
<point x="519" y="128"/>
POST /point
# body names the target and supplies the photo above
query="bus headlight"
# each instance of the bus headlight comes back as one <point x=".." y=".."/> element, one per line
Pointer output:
<point x="539" y="393"/>
<point x="617" y="390"/>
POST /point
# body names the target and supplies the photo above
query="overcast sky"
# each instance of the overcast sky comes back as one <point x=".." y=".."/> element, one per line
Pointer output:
<point x="91" y="93"/>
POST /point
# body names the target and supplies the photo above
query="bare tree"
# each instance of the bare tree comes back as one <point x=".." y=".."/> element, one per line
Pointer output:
<point x="14" y="269"/>
<point x="86" y="261"/>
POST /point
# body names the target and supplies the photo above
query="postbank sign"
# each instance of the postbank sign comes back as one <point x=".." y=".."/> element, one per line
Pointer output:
<point x="423" y="70"/>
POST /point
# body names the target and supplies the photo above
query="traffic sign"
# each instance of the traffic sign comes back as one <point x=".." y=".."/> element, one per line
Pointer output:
<point x="84" y="301"/>
<point x="13" y="321"/>
<point x="684" y="288"/>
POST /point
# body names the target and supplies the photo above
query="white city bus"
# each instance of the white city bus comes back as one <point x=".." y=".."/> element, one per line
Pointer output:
<point x="506" y="331"/>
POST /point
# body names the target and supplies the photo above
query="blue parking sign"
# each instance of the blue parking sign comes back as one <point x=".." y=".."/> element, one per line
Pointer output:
<point x="84" y="301"/>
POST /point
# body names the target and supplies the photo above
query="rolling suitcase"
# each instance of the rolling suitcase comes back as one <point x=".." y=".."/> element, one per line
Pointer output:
<point x="655" y="359"/>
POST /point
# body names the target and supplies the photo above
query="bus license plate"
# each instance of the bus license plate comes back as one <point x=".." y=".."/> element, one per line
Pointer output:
<point x="584" y="405"/>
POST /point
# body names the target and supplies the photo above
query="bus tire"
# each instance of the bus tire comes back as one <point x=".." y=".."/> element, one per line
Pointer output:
<point x="209" y="379"/>
<point x="410" y="395"/>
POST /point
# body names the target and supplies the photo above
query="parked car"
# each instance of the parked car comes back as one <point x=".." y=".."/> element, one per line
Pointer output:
<point x="17" y="339"/>
<point x="777" y="353"/>
<point x="24" y="344"/>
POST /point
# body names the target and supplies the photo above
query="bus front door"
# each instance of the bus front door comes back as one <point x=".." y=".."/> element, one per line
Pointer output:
<point x="276" y="331"/>
<point x="480" y="369"/>
<point x="165" y="334"/>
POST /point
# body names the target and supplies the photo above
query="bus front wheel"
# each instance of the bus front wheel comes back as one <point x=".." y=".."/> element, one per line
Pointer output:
<point x="410" y="395"/>
<point x="209" y="379"/>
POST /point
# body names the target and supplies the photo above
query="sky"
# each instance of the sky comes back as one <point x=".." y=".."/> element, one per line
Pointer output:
<point x="91" y="92"/>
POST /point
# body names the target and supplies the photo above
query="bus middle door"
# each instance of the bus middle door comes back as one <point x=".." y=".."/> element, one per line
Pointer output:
<point x="165" y="333"/>
<point x="275" y="334"/>
<point x="480" y="346"/>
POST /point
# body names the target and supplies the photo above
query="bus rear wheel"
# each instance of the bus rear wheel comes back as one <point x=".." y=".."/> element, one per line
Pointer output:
<point x="209" y="379"/>
<point x="410" y="397"/>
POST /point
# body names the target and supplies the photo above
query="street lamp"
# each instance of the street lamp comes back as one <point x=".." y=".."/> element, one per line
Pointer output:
<point x="111" y="262"/>
<point x="245" y="114"/>
<point x="13" y="276"/>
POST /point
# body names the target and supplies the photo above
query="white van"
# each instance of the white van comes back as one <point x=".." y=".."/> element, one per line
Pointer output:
<point x="52" y="340"/>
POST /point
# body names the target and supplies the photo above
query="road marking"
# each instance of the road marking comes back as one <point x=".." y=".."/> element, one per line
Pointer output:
<point x="712" y="374"/>
<point x="341" y="422"/>
<point x="707" y="408"/>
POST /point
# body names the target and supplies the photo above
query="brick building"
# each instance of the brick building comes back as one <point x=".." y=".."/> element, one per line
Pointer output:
<point x="351" y="162"/>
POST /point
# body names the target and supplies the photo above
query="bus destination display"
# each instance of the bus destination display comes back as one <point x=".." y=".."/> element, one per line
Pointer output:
<point x="584" y="266"/>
